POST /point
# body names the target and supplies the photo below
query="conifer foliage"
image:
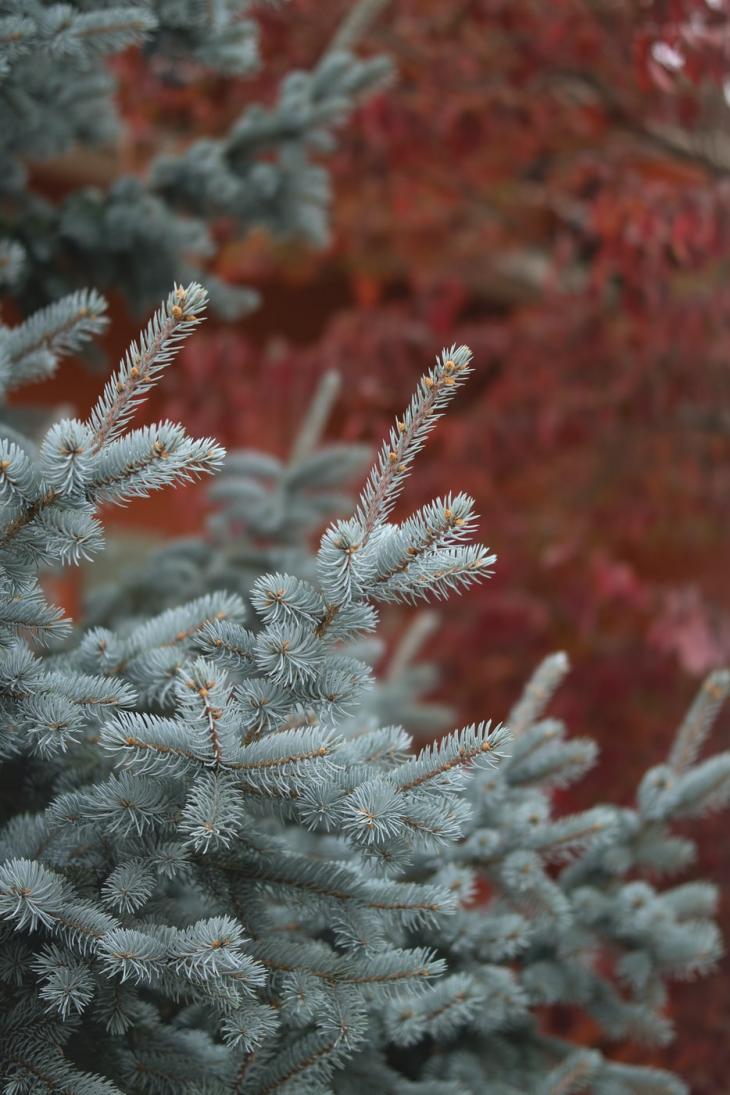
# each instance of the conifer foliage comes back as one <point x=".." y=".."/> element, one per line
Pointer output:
<point x="137" y="230"/>
<point x="219" y="873"/>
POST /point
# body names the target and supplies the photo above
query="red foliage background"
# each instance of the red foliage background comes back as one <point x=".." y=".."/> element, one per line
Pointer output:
<point x="551" y="184"/>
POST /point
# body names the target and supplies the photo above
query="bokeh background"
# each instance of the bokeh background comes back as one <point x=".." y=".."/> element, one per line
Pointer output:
<point x="550" y="183"/>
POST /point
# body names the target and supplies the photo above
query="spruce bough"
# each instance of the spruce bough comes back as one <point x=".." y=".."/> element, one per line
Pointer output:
<point x="219" y="873"/>
<point x="134" y="233"/>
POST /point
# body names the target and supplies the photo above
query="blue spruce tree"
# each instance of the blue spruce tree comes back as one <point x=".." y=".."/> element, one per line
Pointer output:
<point x="140" y="233"/>
<point x="220" y="872"/>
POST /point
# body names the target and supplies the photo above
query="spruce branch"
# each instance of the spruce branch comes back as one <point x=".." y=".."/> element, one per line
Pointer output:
<point x="65" y="33"/>
<point x="12" y="260"/>
<point x="418" y="632"/>
<point x="435" y="391"/>
<point x="81" y="465"/>
<point x="145" y="360"/>
<point x="699" y="720"/>
<point x="34" y="346"/>
<point x="366" y="558"/>
<point x="573" y="1075"/>
<point x="356" y="24"/>
<point x="537" y="693"/>
<point x="441" y="764"/>
<point x="315" y="420"/>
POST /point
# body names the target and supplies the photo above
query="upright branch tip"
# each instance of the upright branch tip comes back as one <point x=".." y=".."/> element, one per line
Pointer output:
<point x="406" y="439"/>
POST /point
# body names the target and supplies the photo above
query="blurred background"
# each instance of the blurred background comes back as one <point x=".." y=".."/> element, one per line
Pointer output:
<point x="550" y="183"/>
